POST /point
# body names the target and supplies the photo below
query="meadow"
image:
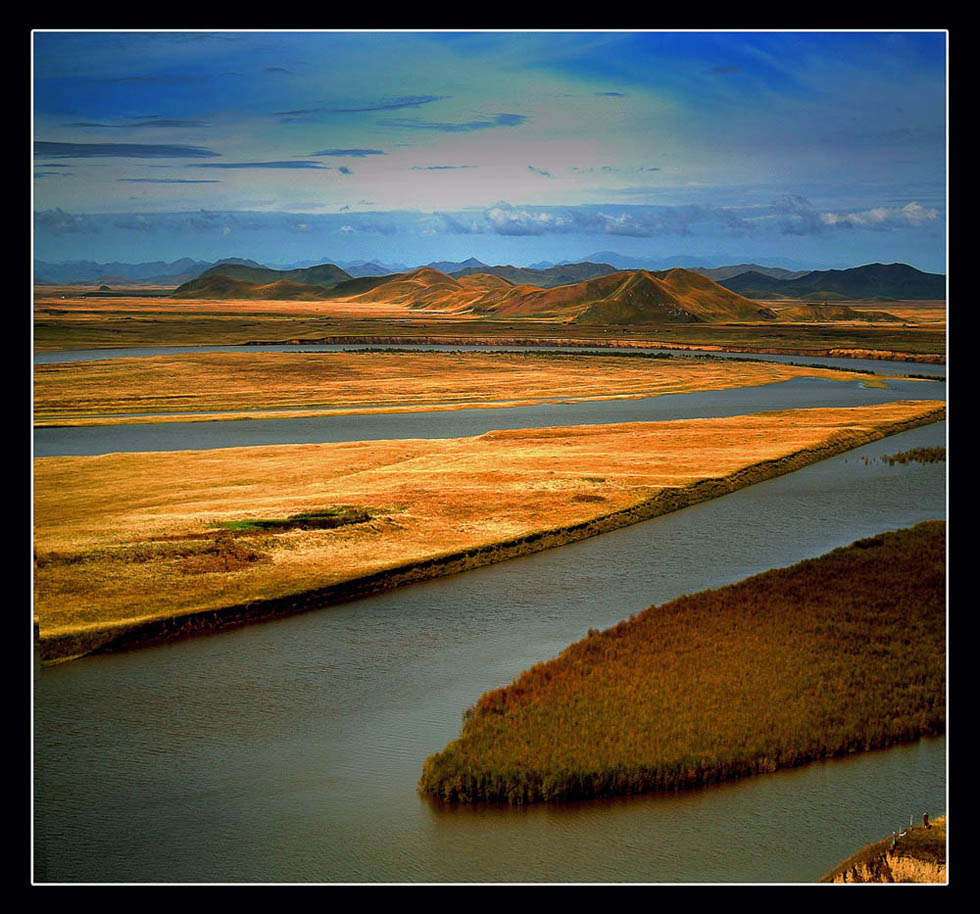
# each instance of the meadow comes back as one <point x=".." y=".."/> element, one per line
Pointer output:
<point x="260" y="383"/>
<point x="128" y="540"/>
<point x="838" y="654"/>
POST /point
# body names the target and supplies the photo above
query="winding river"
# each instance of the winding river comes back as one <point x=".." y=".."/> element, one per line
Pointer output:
<point x="289" y="751"/>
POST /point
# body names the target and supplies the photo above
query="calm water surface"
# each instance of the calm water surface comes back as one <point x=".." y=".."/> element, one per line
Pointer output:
<point x="289" y="751"/>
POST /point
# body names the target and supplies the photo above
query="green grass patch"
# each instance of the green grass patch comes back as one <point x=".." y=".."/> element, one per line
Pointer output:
<point x="322" y="519"/>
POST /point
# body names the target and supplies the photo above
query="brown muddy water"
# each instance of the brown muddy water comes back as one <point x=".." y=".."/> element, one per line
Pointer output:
<point x="289" y="751"/>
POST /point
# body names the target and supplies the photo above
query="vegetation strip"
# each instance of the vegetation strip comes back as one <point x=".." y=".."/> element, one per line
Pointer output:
<point x="842" y="353"/>
<point x="63" y="643"/>
<point x="834" y="655"/>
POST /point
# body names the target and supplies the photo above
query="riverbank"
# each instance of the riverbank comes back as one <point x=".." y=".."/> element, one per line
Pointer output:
<point x="919" y="855"/>
<point x="646" y="342"/>
<point x="834" y="655"/>
<point x="127" y="549"/>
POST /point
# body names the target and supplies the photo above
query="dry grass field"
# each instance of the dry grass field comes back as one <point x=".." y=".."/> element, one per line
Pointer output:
<point x="125" y="538"/>
<point x="263" y="382"/>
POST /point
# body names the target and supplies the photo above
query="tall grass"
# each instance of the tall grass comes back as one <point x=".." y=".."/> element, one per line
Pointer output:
<point x="834" y="655"/>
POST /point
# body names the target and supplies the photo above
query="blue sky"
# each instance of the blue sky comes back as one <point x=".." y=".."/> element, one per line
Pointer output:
<point x="817" y="148"/>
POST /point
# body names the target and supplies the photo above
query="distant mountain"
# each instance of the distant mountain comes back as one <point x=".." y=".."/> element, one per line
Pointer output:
<point x="371" y="269"/>
<point x="893" y="281"/>
<point x="212" y="283"/>
<point x="353" y="267"/>
<point x="450" y="266"/>
<point x="561" y="275"/>
<point x="718" y="274"/>
<point x="90" y="272"/>
<point x="696" y="263"/>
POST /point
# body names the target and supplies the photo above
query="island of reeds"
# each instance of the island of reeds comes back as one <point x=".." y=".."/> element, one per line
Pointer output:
<point x="834" y="655"/>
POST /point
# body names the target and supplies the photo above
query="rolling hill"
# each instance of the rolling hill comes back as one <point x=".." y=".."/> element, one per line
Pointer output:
<point x="634" y="297"/>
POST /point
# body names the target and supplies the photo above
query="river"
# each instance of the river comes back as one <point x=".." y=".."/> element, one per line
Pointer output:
<point x="289" y="751"/>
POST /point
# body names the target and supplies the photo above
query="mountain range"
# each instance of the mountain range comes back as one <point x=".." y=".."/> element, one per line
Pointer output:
<point x="886" y="282"/>
<point x="754" y="281"/>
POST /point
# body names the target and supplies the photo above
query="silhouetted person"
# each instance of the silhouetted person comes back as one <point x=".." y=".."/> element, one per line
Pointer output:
<point x="925" y="820"/>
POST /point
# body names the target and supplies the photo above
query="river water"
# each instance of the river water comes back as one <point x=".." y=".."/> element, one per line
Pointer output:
<point x="289" y="751"/>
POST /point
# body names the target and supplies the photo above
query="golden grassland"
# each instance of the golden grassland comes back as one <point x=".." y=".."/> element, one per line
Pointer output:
<point x="917" y="856"/>
<point x="260" y="383"/>
<point x="126" y="542"/>
<point x="834" y="655"/>
<point x="75" y="322"/>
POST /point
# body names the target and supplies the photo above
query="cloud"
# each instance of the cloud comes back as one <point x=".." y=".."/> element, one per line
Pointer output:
<point x="153" y="121"/>
<point x="882" y="217"/>
<point x="539" y="171"/>
<point x="497" y="120"/>
<point x="723" y="70"/>
<point x="122" y="150"/>
<point x="358" y="153"/>
<point x="287" y="164"/>
<point x="632" y="221"/>
<point x="276" y="70"/>
<point x="170" y="180"/>
<point x="57" y="220"/>
<point x="344" y="170"/>
<point x="799" y="217"/>
<point x="405" y="101"/>
<point x="613" y="94"/>
<point x="439" y="167"/>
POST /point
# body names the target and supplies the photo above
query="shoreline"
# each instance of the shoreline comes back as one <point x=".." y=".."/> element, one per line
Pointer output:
<point x="64" y="645"/>
<point x="561" y="342"/>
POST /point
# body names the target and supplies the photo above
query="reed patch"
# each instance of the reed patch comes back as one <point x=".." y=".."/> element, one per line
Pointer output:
<point x="834" y="655"/>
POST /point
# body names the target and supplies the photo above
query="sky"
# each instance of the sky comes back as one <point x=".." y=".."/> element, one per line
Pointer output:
<point x="803" y="149"/>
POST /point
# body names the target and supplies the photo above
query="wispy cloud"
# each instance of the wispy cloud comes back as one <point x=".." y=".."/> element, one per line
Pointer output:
<point x="613" y="94"/>
<point x="141" y="123"/>
<point x="439" y="167"/>
<point x="540" y="171"/>
<point x="355" y="153"/>
<point x="286" y="164"/>
<point x="393" y="104"/>
<point x="170" y="180"/>
<point x="497" y="120"/>
<point x="120" y="150"/>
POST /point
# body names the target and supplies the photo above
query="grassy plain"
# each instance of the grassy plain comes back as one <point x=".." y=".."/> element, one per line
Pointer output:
<point x="125" y="539"/>
<point x="259" y="383"/>
<point x="833" y="655"/>
<point x="64" y="319"/>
